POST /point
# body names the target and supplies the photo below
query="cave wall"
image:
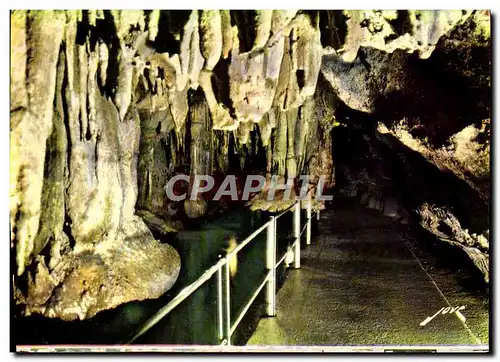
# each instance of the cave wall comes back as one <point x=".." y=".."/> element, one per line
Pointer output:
<point x="417" y="83"/>
<point x="385" y="175"/>
<point x="79" y="246"/>
<point x="437" y="103"/>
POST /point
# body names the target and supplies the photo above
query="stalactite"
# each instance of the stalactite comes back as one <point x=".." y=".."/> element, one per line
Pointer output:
<point x="306" y="112"/>
<point x="253" y="80"/>
<point x="52" y="200"/>
<point x="243" y="132"/>
<point x="281" y="20"/>
<point x="211" y="37"/>
<point x="103" y="61"/>
<point x="263" y="21"/>
<point x="200" y="150"/>
<point x="153" y="18"/>
<point x="280" y="145"/>
<point x="222" y="120"/>
<point x="18" y="103"/>
<point x="93" y="61"/>
<point x="265" y="130"/>
<point x="185" y="45"/>
<point x="19" y="96"/>
<point x="125" y="19"/>
<point x="281" y="97"/>
<point x="354" y="35"/>
<point x="227" y="33"/>
<point x="29" y="138"/>
<point x="310" y="53"/>
<point x="269" y="160"/>
<point x="123" y="95"/>
<point x="291" y="162"/>
<point x="220" y="148"/>
<point x="82" y="89"/>
<point x="195" y="58"/>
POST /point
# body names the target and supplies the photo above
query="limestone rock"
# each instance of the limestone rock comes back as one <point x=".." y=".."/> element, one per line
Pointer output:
<point x="467" y="154"/>
<point x="211" y="37"/>
<point x="84" y="136"/>
<point x="137" y="268"/>
<point x="420" y="30"/>
<point x="253" y="78"/>
<point x="391" y="207"/>
<point x="475" y="246"/>
<point x="32" y="125"/>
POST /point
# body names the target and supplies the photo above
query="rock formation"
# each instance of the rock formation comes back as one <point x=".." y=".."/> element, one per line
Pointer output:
<point x="423" y="78"/>
<point x="106" y="106"/>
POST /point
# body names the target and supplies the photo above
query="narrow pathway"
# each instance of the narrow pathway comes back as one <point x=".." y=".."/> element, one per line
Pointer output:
<point x="360" y="284"/>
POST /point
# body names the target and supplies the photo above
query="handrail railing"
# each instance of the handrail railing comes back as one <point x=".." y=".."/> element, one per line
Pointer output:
<point x="221" y="269"/>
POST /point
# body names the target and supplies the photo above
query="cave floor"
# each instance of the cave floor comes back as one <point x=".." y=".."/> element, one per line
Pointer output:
<point x="361" y="284"/>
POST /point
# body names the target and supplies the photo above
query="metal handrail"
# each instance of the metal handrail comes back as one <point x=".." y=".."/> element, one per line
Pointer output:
<point x="286" y="210"/>
<point x="303" y="229"/>
<point x="249" y="303"/>
<point x="278" y="263"/>
<point x="247" y="240"/>
<point x="221" y="268"/>
<point x="179" y="298"/>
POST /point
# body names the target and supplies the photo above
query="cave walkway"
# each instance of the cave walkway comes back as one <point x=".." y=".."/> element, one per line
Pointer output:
<point x="360" y="284"/>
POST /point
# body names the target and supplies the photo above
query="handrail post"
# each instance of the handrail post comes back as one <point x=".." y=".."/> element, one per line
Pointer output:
<point x="227" y="303"/>
<point x="309" y="215"/>
<point x="296" y="235"/>
<point x="271" y="266"/>
<point x="223" y="304"/>
<point x="220" y="304"/>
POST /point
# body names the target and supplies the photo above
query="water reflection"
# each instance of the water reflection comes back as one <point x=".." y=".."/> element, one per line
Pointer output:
<point x="194" y="320"/>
